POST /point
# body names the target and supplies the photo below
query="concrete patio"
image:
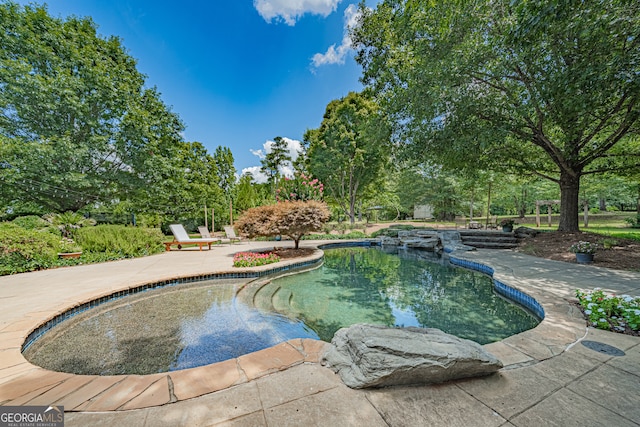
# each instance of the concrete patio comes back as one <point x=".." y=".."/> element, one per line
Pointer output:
<point x="550" y="376"/>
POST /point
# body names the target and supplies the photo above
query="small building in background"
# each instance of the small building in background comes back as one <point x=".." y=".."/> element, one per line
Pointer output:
<point x="422" y="212"/>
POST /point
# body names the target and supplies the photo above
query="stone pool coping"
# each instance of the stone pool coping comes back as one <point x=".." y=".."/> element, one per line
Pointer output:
<point x="23" y="383"/>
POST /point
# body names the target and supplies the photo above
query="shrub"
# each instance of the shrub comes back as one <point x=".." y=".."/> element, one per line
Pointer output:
<point x="293" y="219"/>
<point x="32" y="222"/>
<point x="68" y="222"/>
<point x="348" y="236"/>
<point x="634" y="222"/>
<point x="120" y="240"/>
<point x="26" y="250"/>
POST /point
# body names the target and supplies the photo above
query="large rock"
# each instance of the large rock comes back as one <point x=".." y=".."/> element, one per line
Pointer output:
<point x="375" y="356"/>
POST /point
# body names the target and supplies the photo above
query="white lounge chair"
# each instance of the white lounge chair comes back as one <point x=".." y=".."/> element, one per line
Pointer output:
<point x="181" y="237"/>
<point x="204" y="233"/>
<point x="231" y="234"/>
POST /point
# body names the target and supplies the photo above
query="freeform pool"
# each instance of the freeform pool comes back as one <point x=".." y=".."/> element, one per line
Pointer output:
<point x="195" y="325"/>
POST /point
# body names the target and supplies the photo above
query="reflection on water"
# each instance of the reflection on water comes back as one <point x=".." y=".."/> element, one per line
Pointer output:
<point x="184" y="327"/>
<point x="361" y="285"/>
<point x="163" y="330"/>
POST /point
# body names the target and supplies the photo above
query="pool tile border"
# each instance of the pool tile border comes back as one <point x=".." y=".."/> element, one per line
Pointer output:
<point x="34" y="335"/>
<point x="503" y="289"/>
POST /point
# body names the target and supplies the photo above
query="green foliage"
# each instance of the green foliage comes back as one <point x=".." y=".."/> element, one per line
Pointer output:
<point x="633" y="222"/>
<point x="24" y="250"/>
<point x="125" y="242"/>
<point x="350" y="150"/>
<point x="345" y="236"/>
<point x="277" y="157"/>
<point x="34" y="222"/>
<point x="610" y="311"/>
<point x="68" y="222"/>
<point x="532" y="87"/>
<point x="78" y="127"/>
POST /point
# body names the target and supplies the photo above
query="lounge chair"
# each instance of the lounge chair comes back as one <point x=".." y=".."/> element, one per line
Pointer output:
<point x="180" y="238"/>
<point x="204" y="233"/>
<point x="231" y="234"/>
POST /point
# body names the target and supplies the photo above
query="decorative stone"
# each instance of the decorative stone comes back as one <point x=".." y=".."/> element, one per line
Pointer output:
<point x="376" y="356"/>
<point x="523" y="232"/>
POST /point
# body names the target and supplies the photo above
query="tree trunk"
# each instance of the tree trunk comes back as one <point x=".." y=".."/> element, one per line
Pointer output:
<point x="569" y="191"/>
<point x="603" y="204"/>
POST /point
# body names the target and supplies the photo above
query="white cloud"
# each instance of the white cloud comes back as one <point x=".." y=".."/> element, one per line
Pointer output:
<point x="336" y="55"/>
<point x="290" y="10"/>
<point x="294" y="146"/>
<point x="254" y="171"/>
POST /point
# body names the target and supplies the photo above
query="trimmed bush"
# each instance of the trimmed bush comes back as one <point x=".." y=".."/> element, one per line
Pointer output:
<point x="26" y="250"/>
<point x="120" y="240"/>
<point x="292" y="218"/>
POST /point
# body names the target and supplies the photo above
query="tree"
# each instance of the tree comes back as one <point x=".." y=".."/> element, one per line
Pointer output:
<point x="181" y="185"/>
<point x="274" y="160"/>
<point x="292" y="218"/>
<point x="77" y="125"/>
<point x="226" y="171"/>
<point x="349" y="151"/>
<point x="547" y="88"/>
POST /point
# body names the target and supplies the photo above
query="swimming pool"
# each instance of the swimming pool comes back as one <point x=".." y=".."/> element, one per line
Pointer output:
<point x="198" y="324"/>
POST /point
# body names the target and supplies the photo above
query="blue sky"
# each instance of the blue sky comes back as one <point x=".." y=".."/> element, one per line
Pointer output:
<point x="237" y="72"/>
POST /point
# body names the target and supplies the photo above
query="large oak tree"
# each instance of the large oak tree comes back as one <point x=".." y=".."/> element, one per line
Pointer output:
<point x="540" y="87"/>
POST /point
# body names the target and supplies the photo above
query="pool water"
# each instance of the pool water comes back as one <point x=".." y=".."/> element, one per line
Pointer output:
<point x="195" y="325"/>
<point x="409" y="288"/>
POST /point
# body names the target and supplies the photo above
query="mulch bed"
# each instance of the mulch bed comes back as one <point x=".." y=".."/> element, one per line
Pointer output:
<point x="290" y="253"/>
<point x="623" y="255"/>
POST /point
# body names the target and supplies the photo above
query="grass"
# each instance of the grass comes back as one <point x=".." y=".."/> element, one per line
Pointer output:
<point x="610" y="224"/>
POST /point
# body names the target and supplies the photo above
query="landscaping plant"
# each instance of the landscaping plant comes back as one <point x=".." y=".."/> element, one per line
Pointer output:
<point x="254" y="259"/>
<point x="292" y="218"/>
<point x="26" y="250"/>
<point x="610" y="312"/>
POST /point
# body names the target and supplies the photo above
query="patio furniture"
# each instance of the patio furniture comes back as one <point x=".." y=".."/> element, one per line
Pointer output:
<point x="204" y="233"/>
<point x="231" y="234"/>
<point x="181" y="237"/>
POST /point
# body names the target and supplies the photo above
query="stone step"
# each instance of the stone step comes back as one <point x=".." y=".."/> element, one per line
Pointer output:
<point x="263" y="298"/>
<point x="491" y="245"/>
<point x="247" y="293"/>
<point x="281" y="301"/>
<point x="475" y="233"/>
<point x="489" y="239"/>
